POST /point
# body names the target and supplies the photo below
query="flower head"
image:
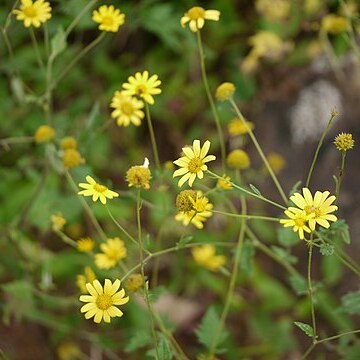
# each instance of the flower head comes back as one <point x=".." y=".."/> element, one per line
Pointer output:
<point x="276" y="162"/>
<point x="344" y="142"/>
<point x="273" y="10"/>
<point x="97" y="191"/>
<point x="83" y="279"/>
<point x="85" y="244"/>
<point x="57" y="221"/>
<point x="33" y="13"/>
<point x="196" y="17"/>
<point x="127" y="109"/>
<point x="44" y="134"/>
<point x="238" y="159"/>
<point x="193" y="164"/>
<point x="320" y="206"/>
<point x="139" y="175"/>
<point x="225" y="91"/>
<point x="72" y="158"/>
<point x="68" y="142"/>
<point x="334" y="24"/>
<point x="298" y="220"/>
<point x="102" y="301"/>
<point x="143" y="86"/>
<point x="183" y="200"/>
<point x="224" y="183"/>
<point x="240" y="127"/>
<point x="205" y="256"/>
<point x="112" y="251"/>
<point x="134" y="282"/>
<point x="109" y="18"/>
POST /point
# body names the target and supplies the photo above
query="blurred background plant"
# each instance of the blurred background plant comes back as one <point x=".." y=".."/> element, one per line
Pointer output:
<point x="292" y="62"/>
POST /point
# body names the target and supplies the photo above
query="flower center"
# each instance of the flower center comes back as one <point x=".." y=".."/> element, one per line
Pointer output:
<point x="127" y="108"/>
<point x="312" y="210"/>
<point x="30" y="11"/>
<point x="299" y="222"/>
<point x="100" y="188"/>
<point x="103" y="302"/>
<point x="141" y="89"/>
<point x="195" y="165"/>
<point x="107" y="20"/>
<point x="196" y="13"/>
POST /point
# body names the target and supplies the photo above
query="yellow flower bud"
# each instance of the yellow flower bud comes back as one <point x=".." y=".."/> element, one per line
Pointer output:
<point x="344" y="142"/>
<point x="238" y="159"/>
<point x="44" y="134"/>
<point x="225" y="91"/>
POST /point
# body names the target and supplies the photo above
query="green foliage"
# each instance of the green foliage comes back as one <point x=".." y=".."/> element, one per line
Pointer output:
<point x="247" y="258"/>
<point x="327" y="249"/>
<point x="350" y="303"/>
<point x="307" y="329"/>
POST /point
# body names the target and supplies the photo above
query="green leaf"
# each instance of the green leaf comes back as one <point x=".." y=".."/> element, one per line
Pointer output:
<point x="287" y="237"/>
<point x="163" y="349"/>
<point x="307" y="329"/>
<point x="58" y="43"/>
<point x="207" y="329"/>
<point x="351" y="302"/>
<point x="183" y="241"/>
<point x="326" y="249"/>
<point x="299" y="284"/>
<point x="337" y="230"/>
<point x="255" y="190"/>
<point x="284" y="255"/>
<point x="139" y="339"/>
<point x="247" y="256"/>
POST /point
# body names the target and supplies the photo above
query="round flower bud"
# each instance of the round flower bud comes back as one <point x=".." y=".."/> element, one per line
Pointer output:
<point x="139" y="175"/>
<point x="238" y="159"/>
<point x="134" y="282"/>
<point x="72" y="158"/>
<point x="344" y="142"/>
<point x="44" y="134"/>
<point x="183" y="200"/>
<point x="225" y="91"/>
<point x="68" y="142"/>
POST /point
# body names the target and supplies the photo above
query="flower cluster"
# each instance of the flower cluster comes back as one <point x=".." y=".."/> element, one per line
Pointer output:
<point x="70" y="155"/>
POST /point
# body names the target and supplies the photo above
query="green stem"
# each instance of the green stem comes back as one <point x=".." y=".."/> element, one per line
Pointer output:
<point x="338" y="336"/>
<point x="308" y="351"/>
<point x="66" y="239"/>
<point x="341" y="175"/>
<point x="247" y="217"/>
<point x="152" y="137"/>
<point x="348" y="264"/>
<point x="260" y="197"/>
<point x="46" y="40"/>
<point x="36" y="48"/>
<point x="211" y="101"/>
<point x="80" y="55"/>
<point x="310" y="289"/>
<point x="15" y="140"/>
<point x="260" y="152"/>
<point x="86" y="207"/>
<point x="142" y="264"/>
<point x="332" y="117"/>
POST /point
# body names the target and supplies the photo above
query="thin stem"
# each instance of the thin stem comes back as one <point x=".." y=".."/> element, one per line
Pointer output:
<point x="36" y="47"/>
<point x="259" y="150"/>
<point x="141" y="261"/>
<point x="86" y="207"/>
<point x="80" y="55"/>
<point x="332" y="117"/>
<point x="338" y="336"/>
<point x="348" y="264"/>
<point x="310" y="289"/>
<point x="211" y="101"/>
<point x="308" y="351"/>
<point x="46" y="40"/>
<point x="15" y="140"/>
<point x="66" y="239"/>
<point x="152" y="137"/>
<point x="260" y="197"/>
<point x="341" y="175"/>
<point x="247" y="217"/>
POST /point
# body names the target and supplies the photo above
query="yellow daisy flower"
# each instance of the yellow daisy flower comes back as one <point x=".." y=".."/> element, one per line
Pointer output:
<point x="33" y="13"/>
<point x="127" y="109"/>
<point x="112" y="251"/>
<point x="205" y="256"/>
<point x="196" y="17"/>
<point x="344" y="141"/>
<point x="320" y="206"/>
<point x="83" y="279"/>
<point x="143" y="86"/>
<point x="102" y="301"/>
<point x="85" y="244"/>
<point x="139" y="175"/>
<point x="193" y="165"/>
<point x="109" y="18"/>
<point x="298" y="220"/>
<point x="224" y="183"/>
<point x="57" y="221"/>
<point x="97" y="191"/>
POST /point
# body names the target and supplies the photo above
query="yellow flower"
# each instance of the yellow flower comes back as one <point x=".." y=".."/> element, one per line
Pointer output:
<point x="276" y="162"/>
<point x="113" y="251"/>
<point x="58" y="221"/>
<point x="183" y="200"/>
<point x="97" y="191"/>
<point x="298" y="220"/>
<point x="320" y="206"/>
<point x="143" y="86"/>
<point x="273" y="10"/>
<point x="196" y="17"/>
<point x="238" y="159"/>
<point x="224" y="183"/>
<point x="109" y="18"/>
<point x="72" y="158"/>
<point x="68" y="351"/>
<point x="134" y="282"/>
<point x="68" y="142"/>
<point x="127" y="109"/>
<point x="83" y="279"/>
<point x="85" y="244"/>
<point x="44" y="134"/>
<point x="238" y="127"/>
<point x="139" y="176"/>
<point x="193" y="165"/>
<point x="33" y="13"/>
<point x="266" y="44"/>
<point x="250" y="63"/>
<point x="102" y="300"/>
<point x="199" y="213"/>
<point x="344" y="142"/>
<point x="205" y="256"/>
<point x="225" y="91"/>
<point x="334" y="24"/>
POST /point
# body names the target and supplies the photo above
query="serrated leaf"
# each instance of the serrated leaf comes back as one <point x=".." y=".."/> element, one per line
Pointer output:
<point x="139" y="340"/>
<point x="207" y="329"/>
<point x="247" y="256"/>
<point x="307" y="329"/>
<point x="58" y="43"/>
<point x="351" y="302"/>
<point x="255" y="190"/>
<point x="183" y="241"/>
<point x="299" y="284"/>
<point x="163" y="350"/>
<point x="326" y="249"/>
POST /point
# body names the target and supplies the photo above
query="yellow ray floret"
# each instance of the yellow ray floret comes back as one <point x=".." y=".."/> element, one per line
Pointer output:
<point x="298" y="220"/>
